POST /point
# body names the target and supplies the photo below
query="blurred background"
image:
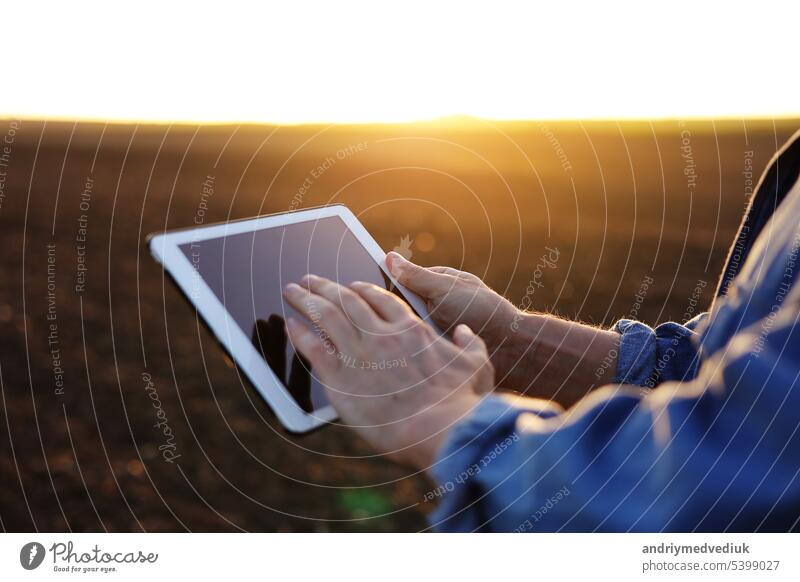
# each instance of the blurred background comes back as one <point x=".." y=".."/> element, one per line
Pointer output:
<point x="627" y="141"/>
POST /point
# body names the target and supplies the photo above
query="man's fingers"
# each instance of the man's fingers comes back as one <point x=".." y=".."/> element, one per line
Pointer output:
<point x="320" y="353"/>
<point x="327" y="319"/>
<point x="472" y="343"/>
<point x="386" y="304"/>
<point x="350" y="302"/>
<point x="420" y="280"/>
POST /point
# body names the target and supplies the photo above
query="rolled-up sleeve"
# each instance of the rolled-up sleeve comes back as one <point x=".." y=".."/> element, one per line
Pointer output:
<point x="481" y="450"/>
<point x="648" y="356"/>
<point x="718" y="453"/>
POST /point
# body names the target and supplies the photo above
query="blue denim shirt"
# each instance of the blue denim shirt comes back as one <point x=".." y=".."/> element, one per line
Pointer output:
<point x="713" y="446"/>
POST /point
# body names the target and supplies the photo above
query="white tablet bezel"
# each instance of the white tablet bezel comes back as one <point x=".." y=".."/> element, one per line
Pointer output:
<point x="165" y="249"/>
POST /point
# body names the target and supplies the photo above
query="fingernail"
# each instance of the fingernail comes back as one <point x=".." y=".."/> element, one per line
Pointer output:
<point x="399" y="257"/>
<point x="395" y="263"/>
<point x="291" y="288"/>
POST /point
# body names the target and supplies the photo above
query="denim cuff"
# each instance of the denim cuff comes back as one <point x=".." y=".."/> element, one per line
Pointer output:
<point x="636" y="357"/>
<point x="491" y="427"/>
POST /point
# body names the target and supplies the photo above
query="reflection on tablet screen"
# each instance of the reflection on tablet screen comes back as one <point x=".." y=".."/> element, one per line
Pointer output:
<point x="247" y="272"/>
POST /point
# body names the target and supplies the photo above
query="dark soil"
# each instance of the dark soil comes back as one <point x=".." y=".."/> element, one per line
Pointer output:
<point x="91" y="330"/>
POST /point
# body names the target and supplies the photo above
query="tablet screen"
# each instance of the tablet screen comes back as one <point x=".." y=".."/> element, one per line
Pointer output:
<point x="247" y="272"/>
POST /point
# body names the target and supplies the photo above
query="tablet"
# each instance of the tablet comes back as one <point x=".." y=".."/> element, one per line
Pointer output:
<point x="233" y="274"/>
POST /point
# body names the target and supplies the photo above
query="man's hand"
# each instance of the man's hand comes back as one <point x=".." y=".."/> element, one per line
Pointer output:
<point x="454" y="297"/>
<point x="537" y="354"/>
<point x="387" y="373"/>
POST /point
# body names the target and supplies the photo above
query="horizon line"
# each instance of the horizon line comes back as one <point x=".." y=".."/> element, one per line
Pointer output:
<point x="452" y="120"/>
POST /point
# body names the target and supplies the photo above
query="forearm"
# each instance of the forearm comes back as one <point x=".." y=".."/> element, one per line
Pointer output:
<point x="552" y="358"/>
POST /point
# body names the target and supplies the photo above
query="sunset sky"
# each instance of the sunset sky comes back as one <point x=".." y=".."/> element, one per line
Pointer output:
<point x="384" y="62"/>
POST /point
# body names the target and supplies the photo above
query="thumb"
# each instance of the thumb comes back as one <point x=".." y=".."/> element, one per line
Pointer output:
<point x="419" y="279"/>
<point x="467" y="340"/>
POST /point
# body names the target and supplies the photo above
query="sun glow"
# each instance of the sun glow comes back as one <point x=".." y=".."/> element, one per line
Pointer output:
<point x="386" y="62"/>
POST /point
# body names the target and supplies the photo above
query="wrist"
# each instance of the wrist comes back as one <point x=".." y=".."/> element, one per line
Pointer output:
<point x="430" y="428"/>
<point x="513" y="356"/>
<point x="559" y="359"/>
